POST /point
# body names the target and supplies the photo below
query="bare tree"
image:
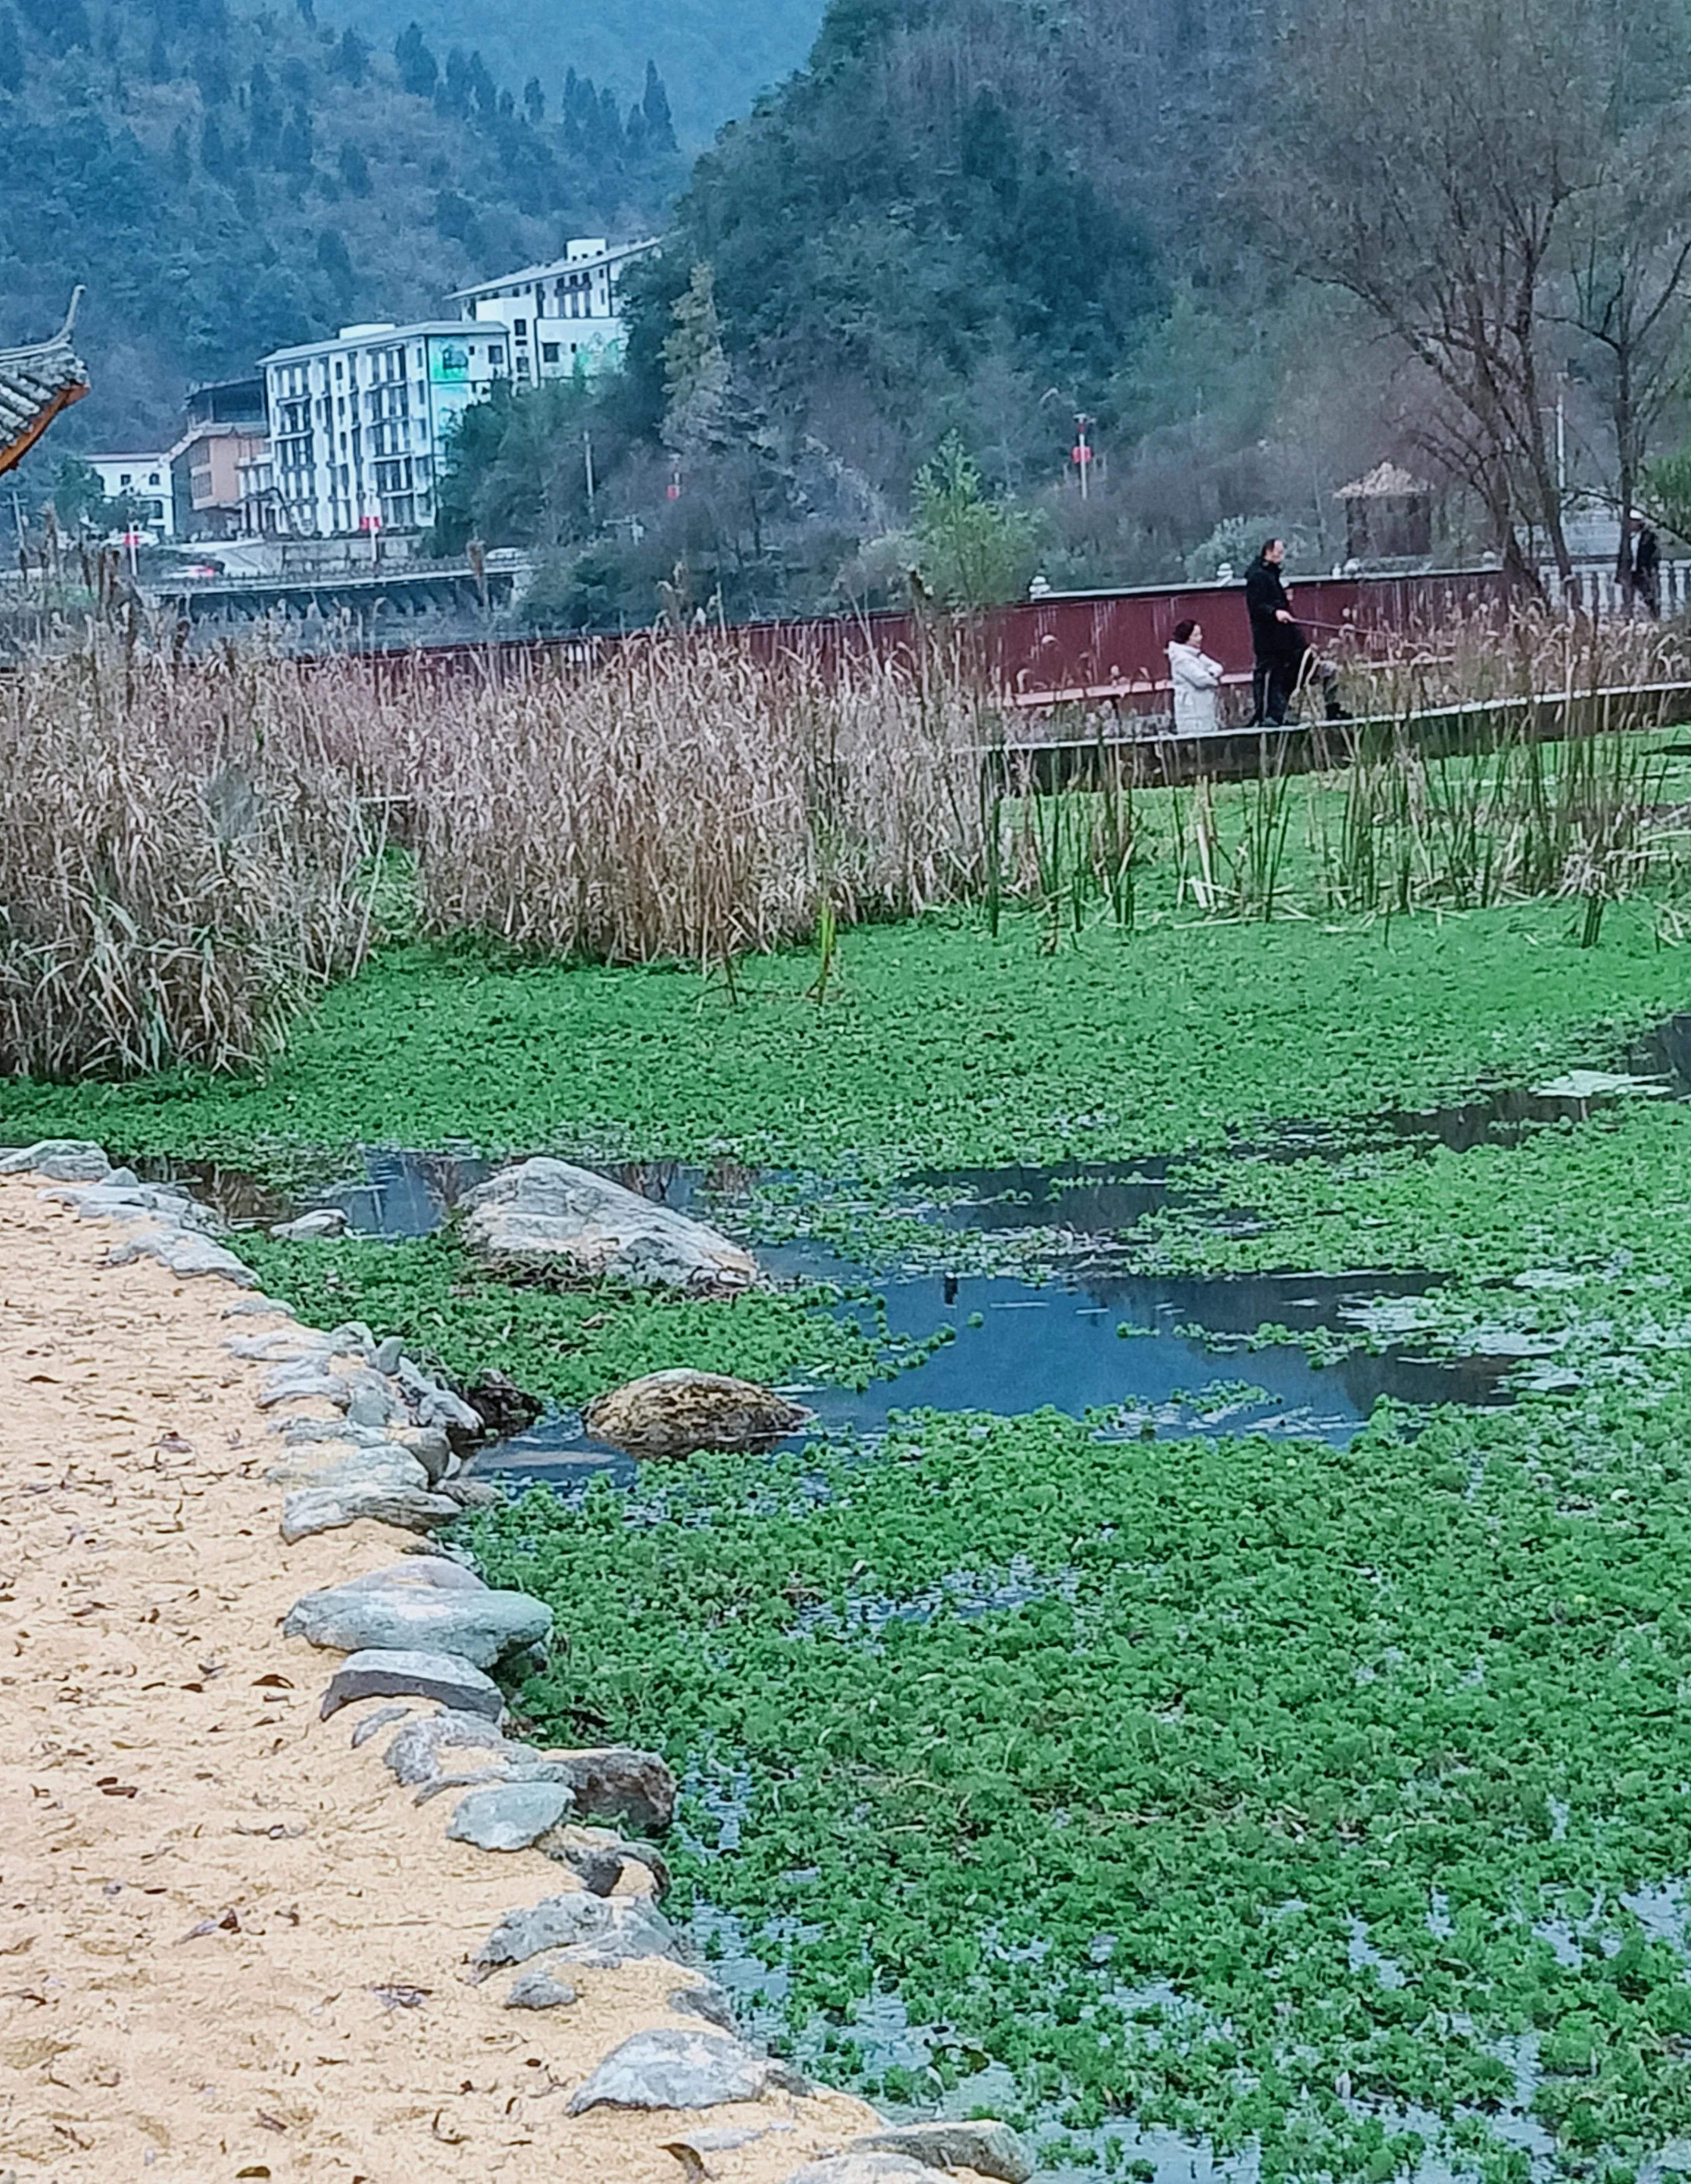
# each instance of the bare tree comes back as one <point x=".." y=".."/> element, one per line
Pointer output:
<point x="1428" y="162"/>
<point x="1629" y="290"/>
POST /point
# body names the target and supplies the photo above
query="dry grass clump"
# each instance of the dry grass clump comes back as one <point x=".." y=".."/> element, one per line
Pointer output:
<point x="1485" y="657"/>
<point x="180" y="864"/>
<point x="684" y="801"/>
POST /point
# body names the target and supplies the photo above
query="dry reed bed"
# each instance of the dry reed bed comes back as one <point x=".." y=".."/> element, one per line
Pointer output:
<point x="189" y="849"/>
<point x="683" y="801"/>
<point x="180" y="864"/>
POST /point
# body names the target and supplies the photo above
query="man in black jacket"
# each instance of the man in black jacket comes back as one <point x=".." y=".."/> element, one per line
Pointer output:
<point x="1280" y="647"/>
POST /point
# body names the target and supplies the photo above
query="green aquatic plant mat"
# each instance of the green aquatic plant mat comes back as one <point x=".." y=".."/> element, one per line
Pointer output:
<point x="937" y="1044"/>
<point x="568" y="1346"/>
<point x="1296" y="1789"/>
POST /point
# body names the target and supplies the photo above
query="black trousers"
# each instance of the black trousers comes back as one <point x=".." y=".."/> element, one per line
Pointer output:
<point x="1274" y="681"/>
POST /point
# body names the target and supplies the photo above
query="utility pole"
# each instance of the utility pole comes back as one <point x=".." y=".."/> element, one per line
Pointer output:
<point x="1083" y="452"/>
<point x="587" y="454"/>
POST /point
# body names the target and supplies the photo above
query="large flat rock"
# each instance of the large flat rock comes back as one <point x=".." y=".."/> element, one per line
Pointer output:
<point x="376" y="1674"/>
<point x="548" y="1214"/>
<point x="481" y="1627"/>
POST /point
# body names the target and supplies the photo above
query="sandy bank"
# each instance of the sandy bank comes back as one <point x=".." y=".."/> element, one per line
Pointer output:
<point x="230" y="1946"/>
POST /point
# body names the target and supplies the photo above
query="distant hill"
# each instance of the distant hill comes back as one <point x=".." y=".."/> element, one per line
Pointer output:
<point x="226" y="178"/>
<point x="714" y="55"/>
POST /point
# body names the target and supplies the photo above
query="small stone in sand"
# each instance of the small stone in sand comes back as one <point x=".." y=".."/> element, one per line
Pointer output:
<point x="372" y="1722"/>
<point x="537" y="1991"/>
<point x="709" y="2001"/>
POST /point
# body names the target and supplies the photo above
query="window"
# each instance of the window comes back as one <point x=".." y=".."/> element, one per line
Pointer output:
<point x="522" y="329"/>
<point x="549" y="351"/>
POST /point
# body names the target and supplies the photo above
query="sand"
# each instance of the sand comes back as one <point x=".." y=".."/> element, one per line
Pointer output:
<point x="230" y="1946"/>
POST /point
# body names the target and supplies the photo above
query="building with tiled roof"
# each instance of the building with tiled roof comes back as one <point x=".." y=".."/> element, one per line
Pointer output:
<point x="35" y="383"/>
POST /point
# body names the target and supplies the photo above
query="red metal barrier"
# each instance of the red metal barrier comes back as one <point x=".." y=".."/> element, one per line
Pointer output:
<point x="1103" y="647"/>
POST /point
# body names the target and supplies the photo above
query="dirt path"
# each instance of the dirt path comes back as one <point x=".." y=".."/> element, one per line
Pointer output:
<point x="204" y="1890"/>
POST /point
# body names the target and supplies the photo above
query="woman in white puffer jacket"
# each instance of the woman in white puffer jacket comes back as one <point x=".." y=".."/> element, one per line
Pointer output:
<point x="1196" y="678"/>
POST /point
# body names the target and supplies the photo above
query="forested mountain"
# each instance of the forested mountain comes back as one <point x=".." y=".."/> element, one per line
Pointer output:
<point x="967" y="225"/>
<point x="226" y="177"/>
<point x="715" y="55"/>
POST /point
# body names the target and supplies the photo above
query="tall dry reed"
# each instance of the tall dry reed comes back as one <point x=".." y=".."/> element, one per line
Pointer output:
<point x="684" y="801"/>
<point x="181" y="863"/>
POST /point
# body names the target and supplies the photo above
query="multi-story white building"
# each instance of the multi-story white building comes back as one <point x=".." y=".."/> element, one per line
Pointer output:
<point x="358" y="426"/>
<point x="146" y="481"/>
<point x="562" y="317"/>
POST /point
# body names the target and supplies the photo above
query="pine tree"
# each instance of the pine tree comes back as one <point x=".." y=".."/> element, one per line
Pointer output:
<point x="214" y="152"/>
<point x="419" y="70"/>
<point x="182" y="157"/>
<point x="453" y="97"/>
<point x="211" y="72"/>
<point x="655" y="105"/>
<point x="607" y="136"/>
<point x="294" y="153"/>
<point x="351" y="57"/>
<point x="334" y="259"/>
<point x="534" y="101"/>
<point x="158" y="59"/>
<point x="354" y="170"/>
<point x="483" y="92"/>
<point x="264" y="111"/>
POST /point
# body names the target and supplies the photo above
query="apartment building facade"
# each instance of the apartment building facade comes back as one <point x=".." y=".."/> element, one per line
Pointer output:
<point x="359" y="426"/>
<point x="563" y="318"/>
<point x="144" y="479"/>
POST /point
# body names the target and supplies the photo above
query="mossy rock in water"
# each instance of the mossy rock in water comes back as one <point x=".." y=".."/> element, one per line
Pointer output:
<point x="674" y="1413"/>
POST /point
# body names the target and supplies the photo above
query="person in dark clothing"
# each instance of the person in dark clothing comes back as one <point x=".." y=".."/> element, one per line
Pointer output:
<point x="1647" y="571"/>
<point x="1284" y="658"/>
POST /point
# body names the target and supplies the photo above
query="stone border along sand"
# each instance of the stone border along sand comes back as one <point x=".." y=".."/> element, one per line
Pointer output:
<point x="634" y="2044"/>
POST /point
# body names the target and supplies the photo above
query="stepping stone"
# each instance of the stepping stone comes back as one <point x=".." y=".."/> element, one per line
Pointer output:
<point x="483" y="1627"/>
<point x="990" y="2149"/>
<point x="863" y="2168"/>
<point x="509" y="1815"/>
<point x="325" y="1221"/>
<point x="673" y="2069"/>
<point x="617" y="1783"/>
<point x="588" y="1929"/>
<point x="66" y="1160"/>
<point x="377" y="1674"/>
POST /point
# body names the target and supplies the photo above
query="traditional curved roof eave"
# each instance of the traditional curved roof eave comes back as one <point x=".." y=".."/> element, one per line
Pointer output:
<point x="37" y="382"/>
